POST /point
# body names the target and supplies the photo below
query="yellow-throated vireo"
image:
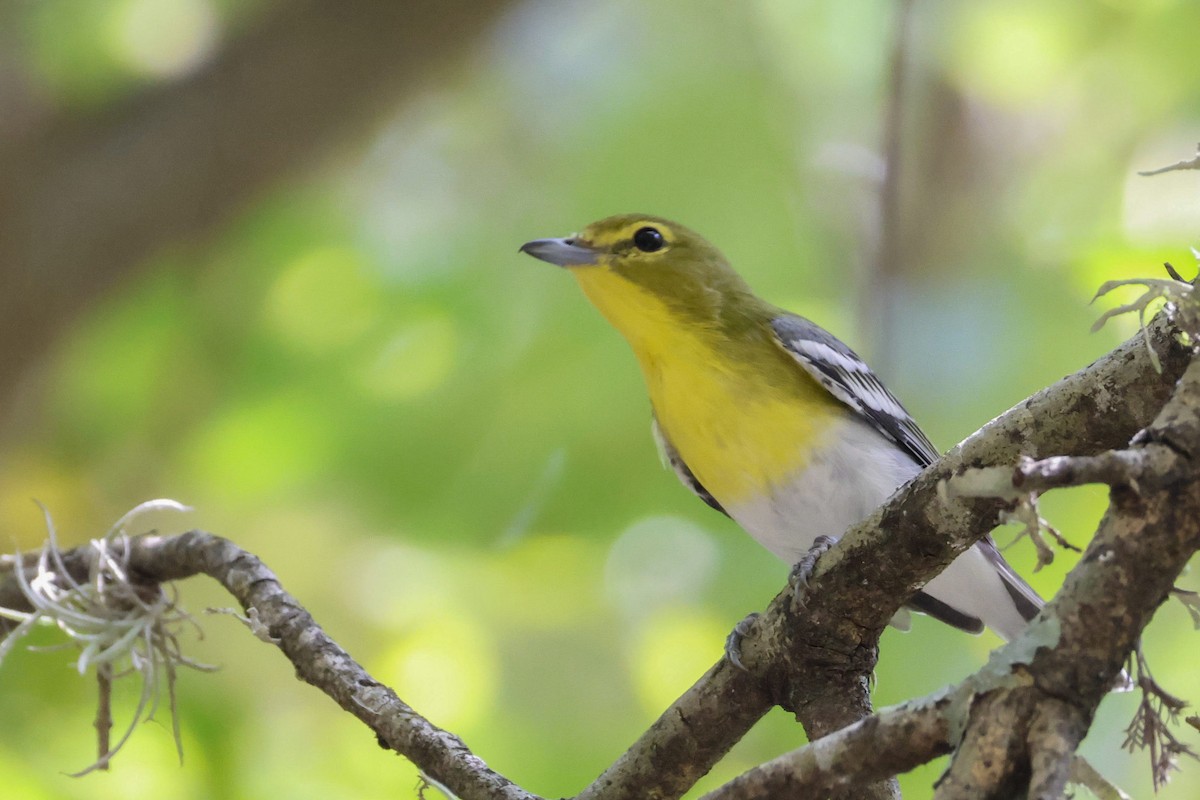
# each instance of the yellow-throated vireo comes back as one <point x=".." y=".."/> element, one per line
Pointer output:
<point x="767" y="417"/>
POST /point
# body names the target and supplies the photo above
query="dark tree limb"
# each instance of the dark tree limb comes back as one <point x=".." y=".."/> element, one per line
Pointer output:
<point x="1100" y="407"/>
<point x="1143" y="543"/>
<point x="799" y="652"/>
<point x="688" y="739"/>
<point x="84" y="200"/>
<point x="888" y="743"/>
<point x="1026" y="712"/>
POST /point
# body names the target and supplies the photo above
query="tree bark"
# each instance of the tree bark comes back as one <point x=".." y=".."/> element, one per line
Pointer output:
<point x="1014" y="725"/>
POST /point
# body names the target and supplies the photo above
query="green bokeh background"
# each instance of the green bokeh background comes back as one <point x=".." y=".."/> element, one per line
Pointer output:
<point x="445" y="453"/>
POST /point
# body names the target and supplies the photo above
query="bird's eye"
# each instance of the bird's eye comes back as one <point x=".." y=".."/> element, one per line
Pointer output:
<point x="648" y="240"/>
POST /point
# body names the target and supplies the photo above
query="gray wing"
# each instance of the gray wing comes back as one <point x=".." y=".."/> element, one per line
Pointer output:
<point x="847" y="377"/>
<point x="671" y="457"/>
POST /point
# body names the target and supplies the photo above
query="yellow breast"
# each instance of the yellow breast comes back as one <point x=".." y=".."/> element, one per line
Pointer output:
<point x="738" y="437"/>
<point x="741" y="415"/>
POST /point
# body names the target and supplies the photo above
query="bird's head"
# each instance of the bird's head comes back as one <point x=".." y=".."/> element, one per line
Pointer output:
<point x="644" y="272"/>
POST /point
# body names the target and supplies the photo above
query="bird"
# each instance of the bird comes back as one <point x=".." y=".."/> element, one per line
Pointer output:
<point x="764" y="415"/>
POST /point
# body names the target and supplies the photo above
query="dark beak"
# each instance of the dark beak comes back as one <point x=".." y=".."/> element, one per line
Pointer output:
<point x="563" y="252"/>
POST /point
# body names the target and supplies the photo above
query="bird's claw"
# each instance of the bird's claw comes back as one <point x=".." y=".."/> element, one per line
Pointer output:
<point x="798" y="579"/>
<point x="803" y="569"/>
<point x="733" y="642"/>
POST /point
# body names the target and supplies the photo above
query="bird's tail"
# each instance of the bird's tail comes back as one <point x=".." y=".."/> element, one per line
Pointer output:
<point x="1028" y="604"/>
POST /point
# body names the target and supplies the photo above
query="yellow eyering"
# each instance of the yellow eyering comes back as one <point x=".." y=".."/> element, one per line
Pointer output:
<point x="734" y="423"/>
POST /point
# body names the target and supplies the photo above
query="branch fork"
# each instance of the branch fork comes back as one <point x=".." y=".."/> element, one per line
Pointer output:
<point x="817" y="658"/>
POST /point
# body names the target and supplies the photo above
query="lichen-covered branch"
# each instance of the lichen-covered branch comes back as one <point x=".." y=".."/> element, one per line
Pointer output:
<point x="815" y="657"/>
<point x="317" y="658"/>
<point x="820" y="649"/>
<point x="1024" y="714"/>
<point x="1144" y="541"/>
<point x="890" y="742"/>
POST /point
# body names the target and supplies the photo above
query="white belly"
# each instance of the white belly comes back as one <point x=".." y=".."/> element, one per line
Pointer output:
<point x="840" y="486"/>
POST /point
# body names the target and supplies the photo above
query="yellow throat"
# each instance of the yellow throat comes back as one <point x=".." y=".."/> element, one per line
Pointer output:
<point x="735" y="408"/>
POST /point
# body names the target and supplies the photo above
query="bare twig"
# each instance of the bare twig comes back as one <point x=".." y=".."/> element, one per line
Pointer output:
<point x="1084" y="774"/>
<point x="1191" y="601"/>
<point x="1112" y="467"/>
<point x="104" y="720"/>
<point x="1180" y="305"/>
<point x="1036" y="529"/>
<point x="1191" y="163"/>
<point x="1174" y="273"/>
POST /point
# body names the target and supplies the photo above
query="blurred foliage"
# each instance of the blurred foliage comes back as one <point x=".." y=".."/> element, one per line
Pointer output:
<point x="445" y="453"/>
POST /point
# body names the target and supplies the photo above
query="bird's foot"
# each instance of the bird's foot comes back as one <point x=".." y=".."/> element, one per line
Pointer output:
<point x="733" y="642"/>
<point x="803" y="570"/>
